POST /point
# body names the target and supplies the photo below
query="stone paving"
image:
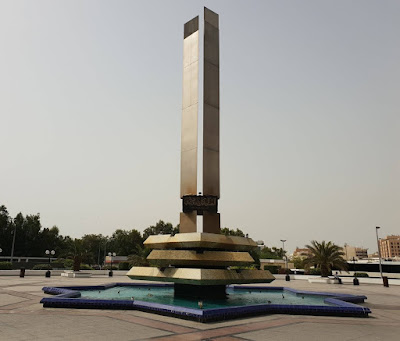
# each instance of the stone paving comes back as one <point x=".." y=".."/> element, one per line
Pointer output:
<point x="22" y="317"/>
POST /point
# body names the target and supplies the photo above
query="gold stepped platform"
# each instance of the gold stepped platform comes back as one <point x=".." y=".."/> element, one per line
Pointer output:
<point x="197" y="240"/>
<point x="201" y="276"/>
<point x="200" y="259"/>
<point x="194" y="258"/>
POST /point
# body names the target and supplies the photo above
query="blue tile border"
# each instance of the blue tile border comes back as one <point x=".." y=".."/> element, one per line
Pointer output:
<point x="341" y="304"/>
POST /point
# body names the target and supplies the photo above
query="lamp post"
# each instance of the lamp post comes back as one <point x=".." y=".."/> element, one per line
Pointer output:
<point x="49" y="254"/>
<point x="13" y="243"/>
<point x="111" y="255"/>
<point x="384" y="279"/>
<point x="287" y="277"/>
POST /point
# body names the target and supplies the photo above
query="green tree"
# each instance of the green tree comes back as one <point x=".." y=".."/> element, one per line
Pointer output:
<point x="271" y="253"/>
<point x="6" y="229"/>
<point x="160" y="228"/>
<point x="325" y="256"/>
<point x="124" y="242"/>
<point x="231" y="232"/>
<point x="139" y="257"/>
<point x="298" y="262"/>
<point x="30" y="238"/>
<point x="94" y="246"/>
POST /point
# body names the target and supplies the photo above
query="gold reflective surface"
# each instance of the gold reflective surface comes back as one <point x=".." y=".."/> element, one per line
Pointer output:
<point x="188" y="222"/>
<point x="211" y="223"/>
<point x="191" y="257"/>
<point x="211" y="176"/>
<point x="200" y="276"/>
<point x="200" y="240"/>
<point x="190" y="102"/>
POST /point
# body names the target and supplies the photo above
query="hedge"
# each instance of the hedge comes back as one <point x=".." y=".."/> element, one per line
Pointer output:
<point x="361" y="274"/>
<point x="42" y="267"/>
<point x="5" y="266"/>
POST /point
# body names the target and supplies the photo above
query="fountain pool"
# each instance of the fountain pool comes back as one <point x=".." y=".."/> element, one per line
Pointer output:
<point x="241" y="301"/>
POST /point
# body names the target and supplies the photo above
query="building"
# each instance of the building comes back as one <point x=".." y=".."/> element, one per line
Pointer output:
<point x="390" y="247"/>
<point x="279" y="263"/>
<point x="301" y="253"/>
<point x="351" y="252"/>
<point x="116" y="259"/>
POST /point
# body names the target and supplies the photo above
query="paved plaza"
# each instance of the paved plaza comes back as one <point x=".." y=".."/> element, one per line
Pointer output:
<point x="22" y="317"/>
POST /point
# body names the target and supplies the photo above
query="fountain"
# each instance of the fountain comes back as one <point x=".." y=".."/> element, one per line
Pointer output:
<point x="200" y="267"/>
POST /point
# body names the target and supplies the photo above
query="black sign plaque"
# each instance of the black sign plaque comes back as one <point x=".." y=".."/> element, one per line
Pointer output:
<point x="200" y="203"/>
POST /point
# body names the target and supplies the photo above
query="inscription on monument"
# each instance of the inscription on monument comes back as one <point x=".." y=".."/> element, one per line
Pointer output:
<point x="200" y="204"/>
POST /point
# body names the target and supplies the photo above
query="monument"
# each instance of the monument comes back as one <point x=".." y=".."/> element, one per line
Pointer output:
<point x="199" y="263"/>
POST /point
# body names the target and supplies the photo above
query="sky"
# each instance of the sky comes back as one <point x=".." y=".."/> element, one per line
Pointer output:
<point x="90" y="114"/>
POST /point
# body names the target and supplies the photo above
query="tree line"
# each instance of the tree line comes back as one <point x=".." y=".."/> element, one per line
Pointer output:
<point x="31" y="240"/>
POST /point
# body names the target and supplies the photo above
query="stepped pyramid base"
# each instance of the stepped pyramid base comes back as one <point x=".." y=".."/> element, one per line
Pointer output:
<point x="199" y="263"/>
<point x="201" y="276"/>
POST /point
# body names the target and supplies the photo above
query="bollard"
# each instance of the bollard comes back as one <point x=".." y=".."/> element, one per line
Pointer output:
<point x="22" y="272"/>
<point x="385" y="281"/>
<point x="48" y="273"/>
<point x="355" y="281"/>
<point x="110" y="274"/>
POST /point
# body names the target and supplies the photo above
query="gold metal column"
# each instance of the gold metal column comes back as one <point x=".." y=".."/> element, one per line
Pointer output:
<point x="190" y="104"/>
<point x="211" y="186"/>
<point x="211" y="220"/>
<point x="199" y="264"/>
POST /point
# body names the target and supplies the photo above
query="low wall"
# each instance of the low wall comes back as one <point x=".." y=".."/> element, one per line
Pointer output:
<point x="349" y="279"/>
<point x="362" y="280"/>
<point x="58" y="272"/>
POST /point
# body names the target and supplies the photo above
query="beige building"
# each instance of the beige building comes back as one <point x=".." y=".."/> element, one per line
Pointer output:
<point x="390" y="247"/>
<point x="301" y="253"/>
<point x="351" y="252"/>
<point x="280" y="263"/>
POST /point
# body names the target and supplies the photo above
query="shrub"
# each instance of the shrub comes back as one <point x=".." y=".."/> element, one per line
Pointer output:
<point x="283" y="271"/>
<point x="42" y="267"/>
<point x="5" y="265"/>
<point x="123" y="266"/>
<point x="272" y="268"/>
<point x="361" y="274"/>
<point x="107" y="267"/>
<point x="243" y="267"/>
<point x="85" y="267"/>
<point x="313" y="272"/>
<point x="68" y="263"/>
<point x="57" y="265"/>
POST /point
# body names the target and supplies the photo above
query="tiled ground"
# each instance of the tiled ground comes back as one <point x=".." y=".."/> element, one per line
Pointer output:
<point x="23" y="318"/>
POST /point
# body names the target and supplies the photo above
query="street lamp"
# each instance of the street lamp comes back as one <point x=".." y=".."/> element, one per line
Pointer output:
<point x="49" y="254"/>
<point x="384" y="279"/>
<point x="287" y="277"/>
<point x="111" y="255"/>
<point x="14" y="233"/>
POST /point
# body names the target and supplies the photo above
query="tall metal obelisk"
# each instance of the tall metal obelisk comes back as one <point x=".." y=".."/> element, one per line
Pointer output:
<point x="206" y="204"/>
<point x="198" y="263"/>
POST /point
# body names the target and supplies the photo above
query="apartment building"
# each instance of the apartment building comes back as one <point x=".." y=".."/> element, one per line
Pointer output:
<point x="390" y="247"/>
<point x="355" y="252"/>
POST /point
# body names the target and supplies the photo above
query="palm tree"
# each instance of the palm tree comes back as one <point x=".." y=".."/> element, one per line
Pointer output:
<point x="325" y="256"/>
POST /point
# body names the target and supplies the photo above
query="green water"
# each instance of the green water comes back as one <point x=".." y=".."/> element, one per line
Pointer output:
<point x="235" y="298"/>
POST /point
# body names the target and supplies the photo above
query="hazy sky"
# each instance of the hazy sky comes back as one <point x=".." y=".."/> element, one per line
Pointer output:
<point x="90" y="111"/>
